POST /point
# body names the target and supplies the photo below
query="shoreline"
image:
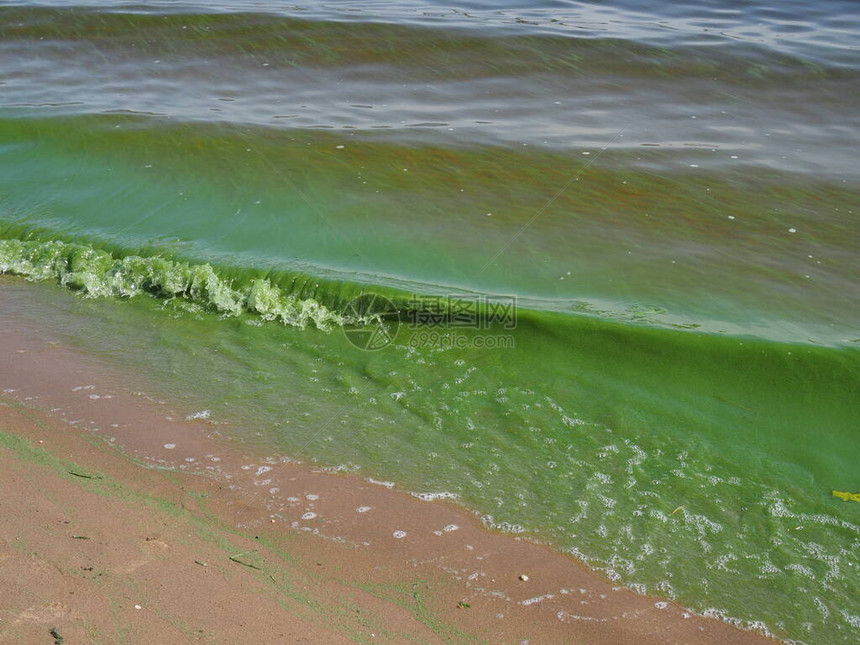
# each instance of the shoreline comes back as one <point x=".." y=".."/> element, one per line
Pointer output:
<point x="423" y="570"/>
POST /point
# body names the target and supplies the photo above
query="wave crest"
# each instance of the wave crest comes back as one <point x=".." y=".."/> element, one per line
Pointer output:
<point x="99" y="274"/>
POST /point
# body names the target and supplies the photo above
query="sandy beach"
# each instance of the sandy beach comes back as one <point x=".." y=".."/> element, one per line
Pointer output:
<point x="124" y="520"/>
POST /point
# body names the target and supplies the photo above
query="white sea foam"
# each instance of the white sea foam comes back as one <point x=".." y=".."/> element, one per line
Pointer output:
<point x="432" y="497"/>
<point x="537" y="599"/>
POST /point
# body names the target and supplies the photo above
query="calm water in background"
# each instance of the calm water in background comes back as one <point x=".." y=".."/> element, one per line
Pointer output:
<point x="669" y="190"/>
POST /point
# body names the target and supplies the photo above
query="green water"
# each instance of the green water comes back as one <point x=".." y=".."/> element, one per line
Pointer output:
<point x="673" y="395"/>
<point x="620" y="241"/>
<point x="587" y="434"/>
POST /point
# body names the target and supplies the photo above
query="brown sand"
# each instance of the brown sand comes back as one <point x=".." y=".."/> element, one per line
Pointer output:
<point x="221" y="544"/>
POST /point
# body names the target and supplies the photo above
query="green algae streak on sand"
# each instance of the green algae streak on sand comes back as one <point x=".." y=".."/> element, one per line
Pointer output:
<point x="669" y="193"/>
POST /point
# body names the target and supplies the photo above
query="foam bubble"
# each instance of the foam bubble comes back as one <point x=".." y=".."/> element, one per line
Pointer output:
<point x="536" y="599"/>
<point x="432" y="497"/>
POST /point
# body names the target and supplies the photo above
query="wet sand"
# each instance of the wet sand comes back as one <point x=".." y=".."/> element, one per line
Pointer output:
<point x="123" y="520"/>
